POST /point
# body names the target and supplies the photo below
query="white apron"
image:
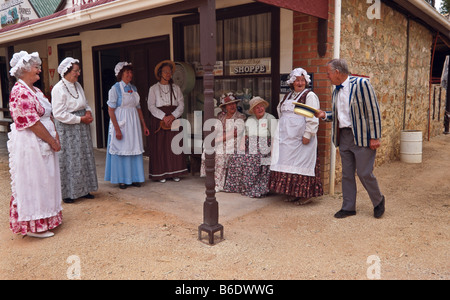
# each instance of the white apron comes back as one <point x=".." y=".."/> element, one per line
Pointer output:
<point x="130" y="126"/>
<point x="34" y="168"/>
<point x="289" y="155"/>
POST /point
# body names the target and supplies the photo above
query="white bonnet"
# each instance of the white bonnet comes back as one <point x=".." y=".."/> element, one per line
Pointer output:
<point x="19" y="59"/>
<point x="120" y="66"/>
<point x="66" y="64"/>
<point x="298" y="72"/>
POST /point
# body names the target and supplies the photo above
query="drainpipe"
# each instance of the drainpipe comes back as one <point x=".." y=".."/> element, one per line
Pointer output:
<point x="336" y="54"/>
<point x="407" y="73"/>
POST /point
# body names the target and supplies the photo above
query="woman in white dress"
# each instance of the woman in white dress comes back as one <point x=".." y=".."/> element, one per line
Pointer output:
<point x="72" y="118"/>
<point x="295" y="168"/>
<point x="124" y="158"/>
<point x="35" y="206"/>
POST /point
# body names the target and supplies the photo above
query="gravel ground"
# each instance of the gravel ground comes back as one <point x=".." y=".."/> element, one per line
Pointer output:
<point x="115" y="237"/>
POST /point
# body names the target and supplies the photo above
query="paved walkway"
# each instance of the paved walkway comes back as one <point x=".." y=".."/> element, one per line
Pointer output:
<point x="184" y="199"/>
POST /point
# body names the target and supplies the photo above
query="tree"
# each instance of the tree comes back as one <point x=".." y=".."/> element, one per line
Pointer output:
<point x="445" y="7"/>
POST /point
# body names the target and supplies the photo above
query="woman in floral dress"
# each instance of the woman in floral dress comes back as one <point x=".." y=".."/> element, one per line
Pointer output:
<point x="35" y="206"/>
<point x="228" y="120"/>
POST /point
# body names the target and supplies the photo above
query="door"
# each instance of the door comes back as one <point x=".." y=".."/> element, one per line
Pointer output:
<point x="144" y="55"/>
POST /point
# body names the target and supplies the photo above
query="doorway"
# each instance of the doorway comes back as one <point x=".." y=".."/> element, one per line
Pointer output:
<point x="144" y="55"/>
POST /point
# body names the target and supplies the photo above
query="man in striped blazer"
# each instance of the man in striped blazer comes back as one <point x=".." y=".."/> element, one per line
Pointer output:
<point x="356" y="131"/>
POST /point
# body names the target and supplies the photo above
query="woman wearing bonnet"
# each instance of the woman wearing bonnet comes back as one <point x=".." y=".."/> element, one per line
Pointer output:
<point x="35" y="206"/>
<point x="72" y="118"/>
<point x="124" y="157"/>
<point x="295" y="168"/>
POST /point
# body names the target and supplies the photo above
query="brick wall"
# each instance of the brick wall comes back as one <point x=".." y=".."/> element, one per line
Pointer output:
<point x="305" y="56"/>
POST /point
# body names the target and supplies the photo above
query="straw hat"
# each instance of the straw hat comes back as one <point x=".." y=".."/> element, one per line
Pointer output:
<point x="304" y="110"/>
<point x="228" y="100"/>
<point x="256" y="101"/>
<point x="158" y="66"/>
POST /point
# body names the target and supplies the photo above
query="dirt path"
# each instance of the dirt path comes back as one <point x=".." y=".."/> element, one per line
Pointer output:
<point x="114" y="237"/>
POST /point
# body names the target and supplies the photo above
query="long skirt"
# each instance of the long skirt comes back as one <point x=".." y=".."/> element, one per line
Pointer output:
<point x="76" y="159"/>
<point x="35" y="204"/>
<point x="35" y="226"/>
<point x="163" y="162"/>
<point x="297" y="185"/>
<point x="124" y="168"/>
<point x="248" y="174"/>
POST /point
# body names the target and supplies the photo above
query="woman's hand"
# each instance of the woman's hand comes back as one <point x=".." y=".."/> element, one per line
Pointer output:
<point x="168" y="120"/>
<point x="146" y="131"/>
<point x="55" y="145"/>
<point x="118" y="134"/>
<point x="87" y="118"/>
<point x="305" y="141"/>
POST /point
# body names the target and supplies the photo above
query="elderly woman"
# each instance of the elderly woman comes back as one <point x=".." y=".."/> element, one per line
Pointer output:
<point x="228" y="121"/>
<point x="249" y="173"/>
<point x="295" y="168"/>
<point x="166" y="104"/>
<point x="72" y="118"/>
<point x="124" y="160"/>
<point x="35" y="206"/>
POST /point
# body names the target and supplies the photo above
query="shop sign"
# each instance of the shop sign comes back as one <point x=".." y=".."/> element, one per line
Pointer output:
<point x="10" y="17"/>
<point x="218" y="68"/>
<point x="16" y="11"/>
<point x="254" y="66"/>
<point x="7" y="5"/>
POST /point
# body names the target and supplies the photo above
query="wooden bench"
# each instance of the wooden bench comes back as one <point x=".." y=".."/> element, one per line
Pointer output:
<point x="5" y="121"/>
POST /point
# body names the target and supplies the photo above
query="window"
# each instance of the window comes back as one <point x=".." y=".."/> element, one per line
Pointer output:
<point x="244" y="56"/>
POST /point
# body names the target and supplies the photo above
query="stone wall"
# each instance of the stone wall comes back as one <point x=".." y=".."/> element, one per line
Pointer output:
<point x="378" y="48"/>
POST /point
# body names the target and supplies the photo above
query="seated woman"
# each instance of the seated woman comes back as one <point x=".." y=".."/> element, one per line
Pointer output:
<point x="249" y="173"/>
<point x="229" y="121"/>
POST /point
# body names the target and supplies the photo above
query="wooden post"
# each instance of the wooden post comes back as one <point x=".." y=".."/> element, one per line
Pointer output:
<point x="208" y="58"/>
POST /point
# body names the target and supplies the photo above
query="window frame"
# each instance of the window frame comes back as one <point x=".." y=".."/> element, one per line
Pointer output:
<point x="236" y="12"/>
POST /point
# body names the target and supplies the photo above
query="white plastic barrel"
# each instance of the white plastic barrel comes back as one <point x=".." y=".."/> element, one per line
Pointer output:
<point x="411" y="146"/>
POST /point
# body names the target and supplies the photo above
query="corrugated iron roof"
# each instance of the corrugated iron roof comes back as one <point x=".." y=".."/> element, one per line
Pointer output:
<point x="45" y="8"/>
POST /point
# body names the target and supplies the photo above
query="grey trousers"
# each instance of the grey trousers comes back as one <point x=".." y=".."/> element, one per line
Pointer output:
<point x="361" y="160"/>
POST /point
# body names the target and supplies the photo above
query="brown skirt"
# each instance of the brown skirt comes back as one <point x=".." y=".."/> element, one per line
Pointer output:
<point x="163" y="162"/>
<point x="297" y="185"/>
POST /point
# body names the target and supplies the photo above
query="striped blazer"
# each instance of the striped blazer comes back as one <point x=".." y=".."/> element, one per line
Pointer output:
<point x="364" y="112"/>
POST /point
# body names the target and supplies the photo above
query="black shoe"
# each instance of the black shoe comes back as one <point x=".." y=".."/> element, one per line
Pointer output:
<point x="136" y="184"/>
<point x="122" y="186"/>
<point x="344" y="214"/>
<point x="68" y="200"/>
<point x="378" y="211"/>
<point x="88" y="196"/>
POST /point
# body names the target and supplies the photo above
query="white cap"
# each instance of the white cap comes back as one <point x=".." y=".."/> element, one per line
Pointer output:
<point x="120" y="66"/>
<point x="19" y="59"/>
<point x="298" y="72"/>
<point x="66" y="64"/>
